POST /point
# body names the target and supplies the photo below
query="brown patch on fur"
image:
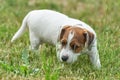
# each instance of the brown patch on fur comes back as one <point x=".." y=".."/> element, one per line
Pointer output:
<point x="78" y="41"/>
<point x="75" y="46"/>
<point x="64" y="35"/>
<point x="64" y="32"/>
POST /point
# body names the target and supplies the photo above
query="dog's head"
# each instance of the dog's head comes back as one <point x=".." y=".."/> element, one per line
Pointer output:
<point x="72" y="41"/>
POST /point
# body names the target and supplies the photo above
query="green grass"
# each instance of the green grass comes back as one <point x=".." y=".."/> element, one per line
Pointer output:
<point x="19" y="63"/>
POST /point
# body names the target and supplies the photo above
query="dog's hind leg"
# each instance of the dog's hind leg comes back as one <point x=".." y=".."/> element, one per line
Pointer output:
<point x="34" y="41"/>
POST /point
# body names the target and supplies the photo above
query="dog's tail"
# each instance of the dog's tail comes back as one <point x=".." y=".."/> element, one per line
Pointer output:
<point x="21" y="30"/>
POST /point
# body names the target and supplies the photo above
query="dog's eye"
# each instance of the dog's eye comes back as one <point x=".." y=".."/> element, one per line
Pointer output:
<point x="74" y="47"/>
<point x="63" y="43"/>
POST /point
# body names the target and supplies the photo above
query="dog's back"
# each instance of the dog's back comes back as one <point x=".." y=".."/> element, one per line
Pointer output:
<point x="46" y="24"/>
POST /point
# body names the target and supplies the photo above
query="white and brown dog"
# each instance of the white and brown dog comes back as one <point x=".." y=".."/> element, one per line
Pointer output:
<point x="71" y="37"/>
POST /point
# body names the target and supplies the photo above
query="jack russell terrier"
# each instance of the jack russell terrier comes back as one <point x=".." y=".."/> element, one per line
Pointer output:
<point x="71" y="37"/>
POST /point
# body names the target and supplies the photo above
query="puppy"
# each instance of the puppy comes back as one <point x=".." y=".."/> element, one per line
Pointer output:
<point x="71" y="37"/>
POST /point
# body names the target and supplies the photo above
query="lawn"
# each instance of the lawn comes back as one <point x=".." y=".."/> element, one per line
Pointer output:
<point x="17" y="62"/>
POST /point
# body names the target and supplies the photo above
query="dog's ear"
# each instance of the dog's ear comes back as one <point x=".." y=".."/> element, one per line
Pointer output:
<point x="63" y="31"/>
<point x="88" y="37"/>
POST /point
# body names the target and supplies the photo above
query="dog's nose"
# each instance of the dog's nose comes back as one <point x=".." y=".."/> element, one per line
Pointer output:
<point x="64" y="58"/>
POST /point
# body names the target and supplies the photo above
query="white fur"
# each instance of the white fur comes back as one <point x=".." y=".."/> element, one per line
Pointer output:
<point x="45" y="26"/>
